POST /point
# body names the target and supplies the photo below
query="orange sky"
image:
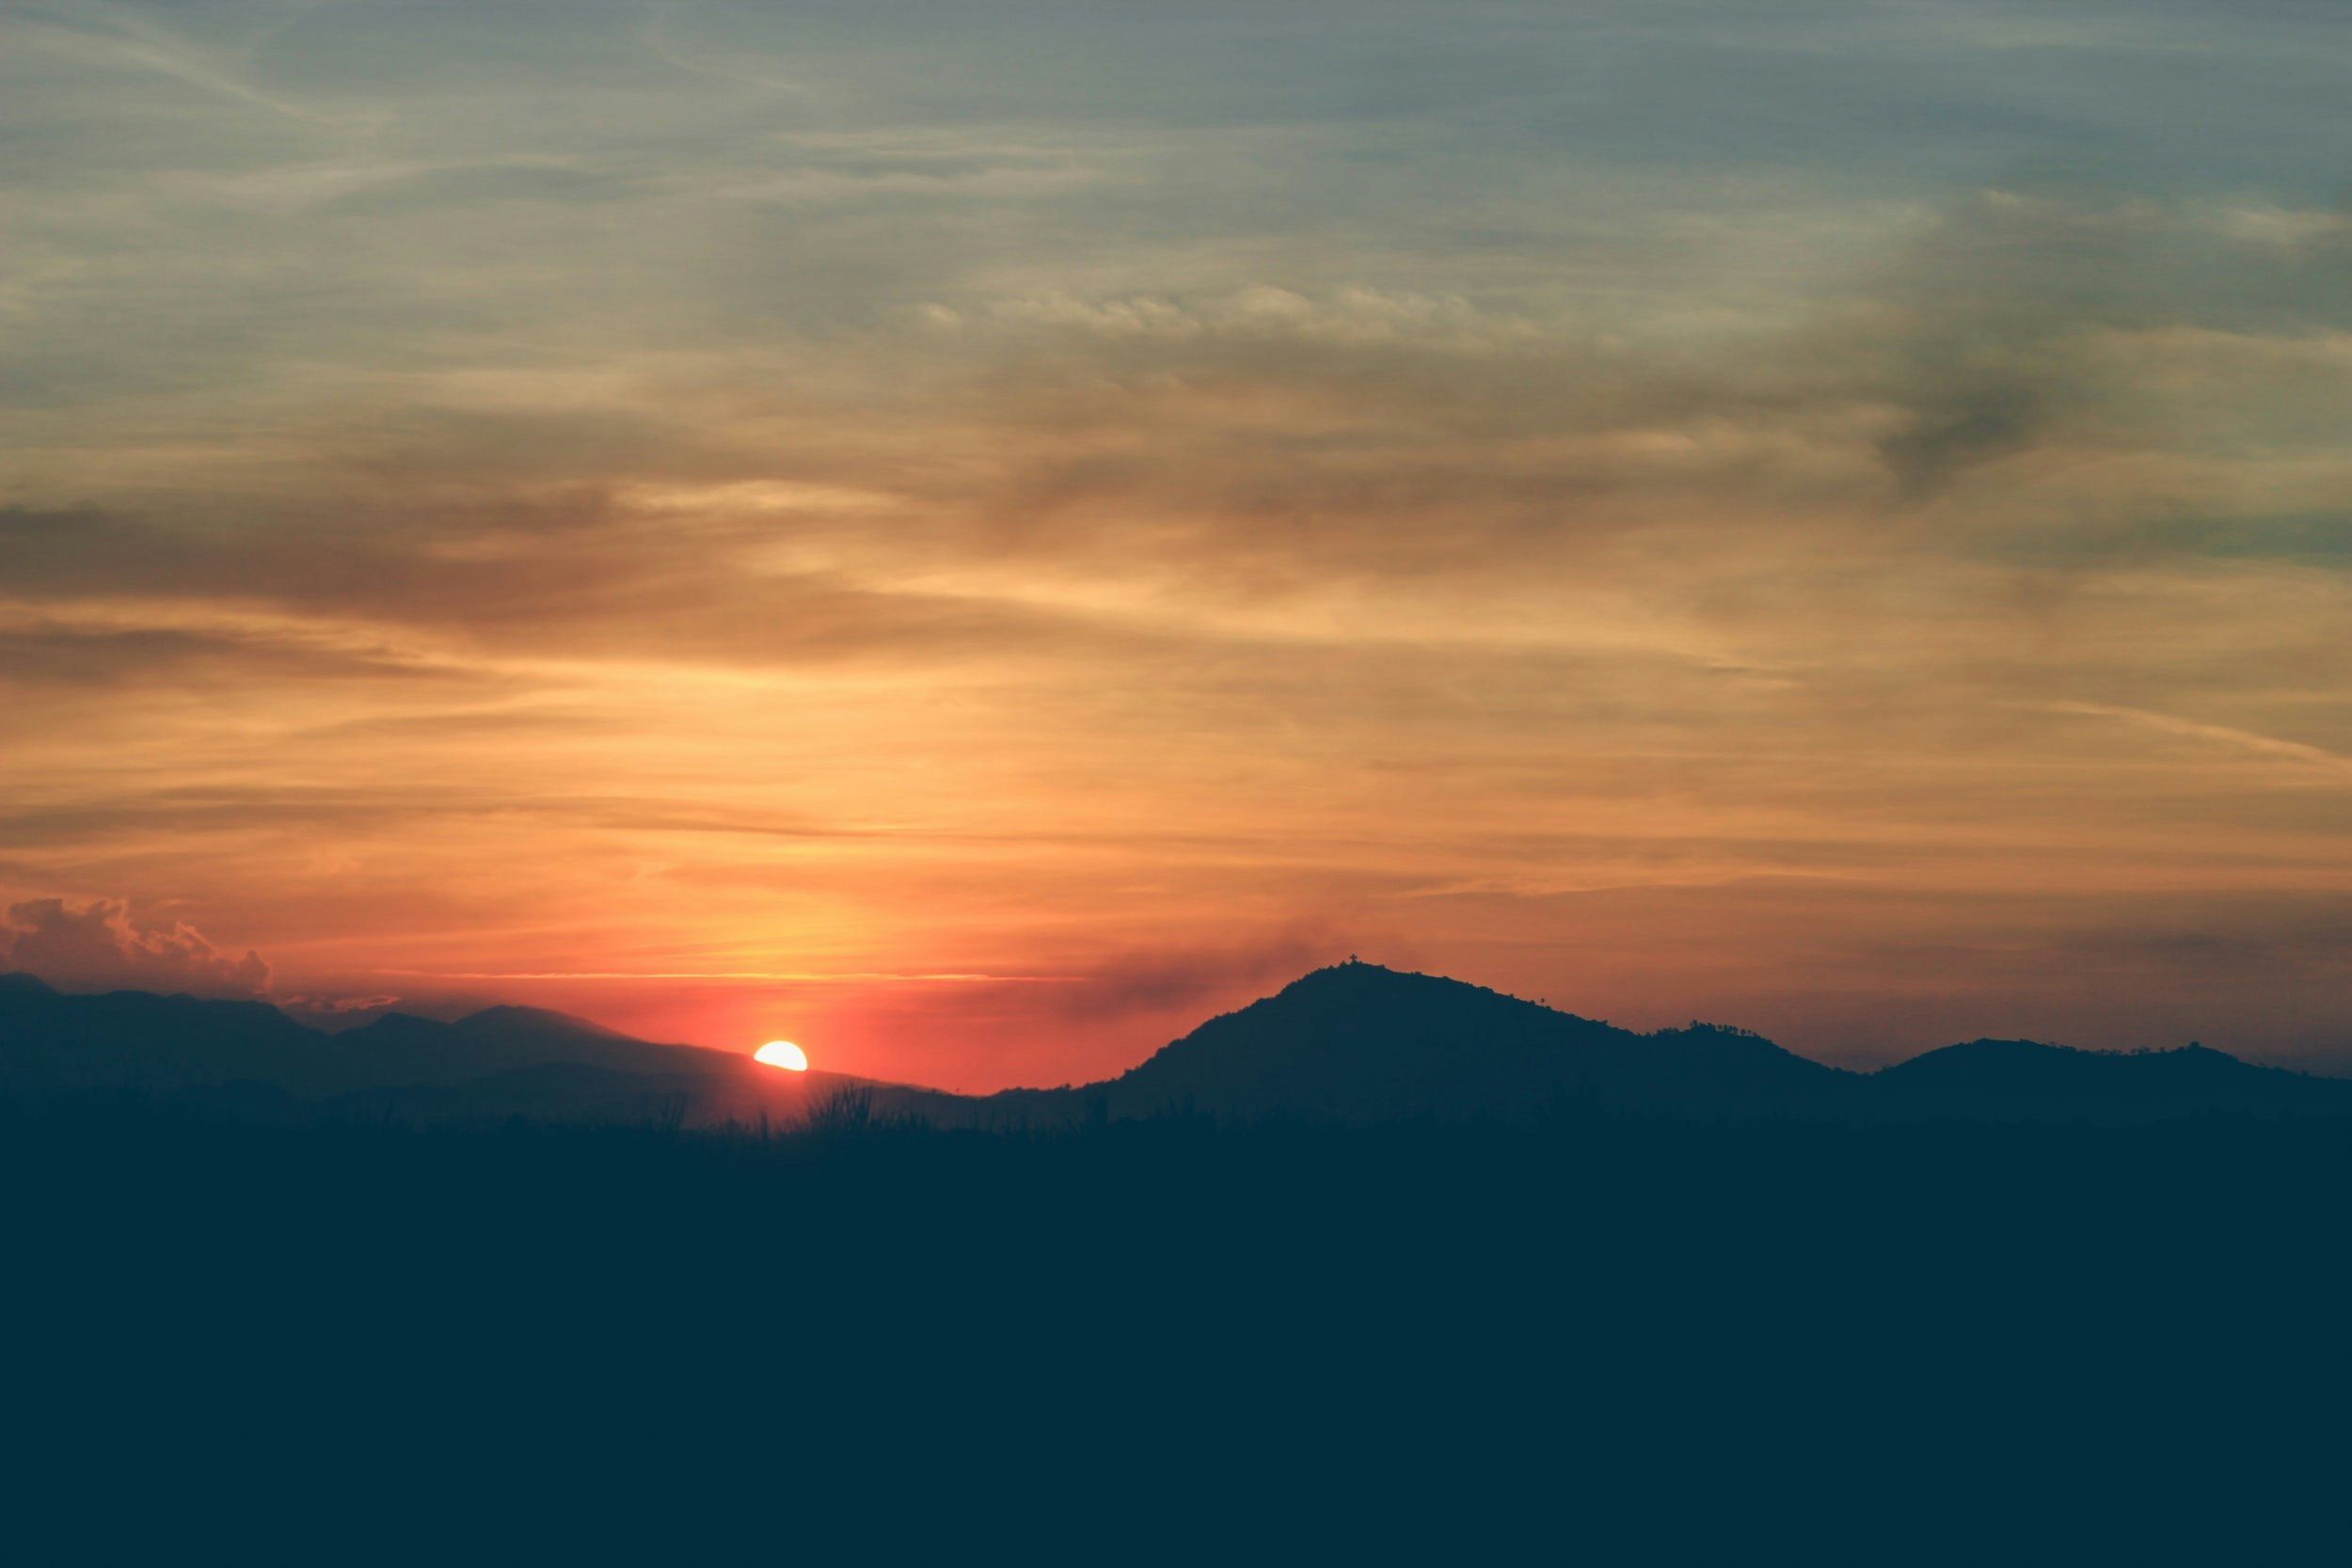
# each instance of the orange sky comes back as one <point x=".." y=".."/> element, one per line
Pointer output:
<point x="975" y="567"/>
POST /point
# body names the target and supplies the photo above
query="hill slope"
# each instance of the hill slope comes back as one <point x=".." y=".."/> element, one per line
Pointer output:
<point x="247" y="1061"/>
<point x="401" y="1049"/>
<point x="1358" y="1043"/>
<point x="2025" y="1079"/>
<point x="133" y="1039"/>
<point x="50" y="1041"/>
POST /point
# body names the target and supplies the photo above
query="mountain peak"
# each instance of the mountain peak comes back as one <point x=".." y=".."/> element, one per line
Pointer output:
<point x="1363" y="1042"/>
<point x="1357" y="980"/>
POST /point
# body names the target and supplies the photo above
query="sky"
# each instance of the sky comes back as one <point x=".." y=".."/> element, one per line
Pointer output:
<point x="975" y="536"/>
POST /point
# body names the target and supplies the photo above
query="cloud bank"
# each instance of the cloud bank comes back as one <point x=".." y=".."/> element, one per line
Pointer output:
<point x="100" y="945"/>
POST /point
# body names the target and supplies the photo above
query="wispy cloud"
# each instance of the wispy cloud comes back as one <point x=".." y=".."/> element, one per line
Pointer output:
<point x="2306" y="759"/>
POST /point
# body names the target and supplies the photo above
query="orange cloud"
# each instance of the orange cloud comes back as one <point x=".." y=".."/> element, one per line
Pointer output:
<point x="100" y="945"/>
<point x="695" y="552"/>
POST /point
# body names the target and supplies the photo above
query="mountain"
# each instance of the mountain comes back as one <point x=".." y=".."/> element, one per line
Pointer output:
<point x="1352" y="1043"/>
<point x="1358" y="1043"/>
<point x="402" y="1049"/>
<point x="247" y="1061"/>
<point x="2026" y="1080"/>
<point x="1361" y="1043"/>
<point x="159" y="1044"/>
<point x="137" y="1040"/>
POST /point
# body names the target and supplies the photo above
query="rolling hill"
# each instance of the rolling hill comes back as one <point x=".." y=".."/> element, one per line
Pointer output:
<point x="2025" y="1080"/>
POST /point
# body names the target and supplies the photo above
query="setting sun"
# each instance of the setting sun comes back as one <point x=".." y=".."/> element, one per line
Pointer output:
<point x="783" y="1054"/>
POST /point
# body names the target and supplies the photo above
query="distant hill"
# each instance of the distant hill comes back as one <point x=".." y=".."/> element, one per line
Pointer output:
<point x="248" y="1061"/>
<point x="402" y="1049"/>
<point x="2025" y="1079"/>
<point x="1352" y="1043"/>
<point x="1358" y="1042"/>
<point x="137" y="1040"/>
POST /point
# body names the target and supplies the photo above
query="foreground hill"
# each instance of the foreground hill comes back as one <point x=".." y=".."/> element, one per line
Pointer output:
<point x="1689" y="1326"/>
<point x="1356" y="1043"/>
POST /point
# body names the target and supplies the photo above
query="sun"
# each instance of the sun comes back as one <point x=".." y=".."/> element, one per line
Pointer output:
<point x="783" y="1054"/>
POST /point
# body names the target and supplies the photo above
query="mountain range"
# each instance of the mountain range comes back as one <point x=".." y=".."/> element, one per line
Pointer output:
<point x="1355" y="1043"/>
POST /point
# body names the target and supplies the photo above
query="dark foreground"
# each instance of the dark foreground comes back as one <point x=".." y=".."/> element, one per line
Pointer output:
<point x="1585" y="1340"/>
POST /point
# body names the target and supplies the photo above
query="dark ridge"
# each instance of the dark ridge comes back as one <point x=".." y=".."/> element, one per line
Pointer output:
<point x="2029" y="1078"/>
<point x="1353" y="1043"/>
<point x="131" y="1039"/>
<point x="137" y="1040"/>
<point x="402" y="1049"/>
<point x="507" y="1018"/>
<point x="1358" y="1042"/>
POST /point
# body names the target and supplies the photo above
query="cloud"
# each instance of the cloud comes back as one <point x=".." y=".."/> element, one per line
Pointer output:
<point x="2315" y="761"/>
<point x="859" y="490"/>
<point x="55" y="653"/>
<point x="335" y="1014"/>
<point x="1177" y="982"/>
<point x="100" y="945"/>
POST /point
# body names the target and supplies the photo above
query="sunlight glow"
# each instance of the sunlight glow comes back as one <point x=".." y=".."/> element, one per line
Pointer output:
<point x="783" y="1054"/>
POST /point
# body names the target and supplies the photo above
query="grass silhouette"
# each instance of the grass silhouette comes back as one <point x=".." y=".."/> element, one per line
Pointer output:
<point x="1584" y="1331"/>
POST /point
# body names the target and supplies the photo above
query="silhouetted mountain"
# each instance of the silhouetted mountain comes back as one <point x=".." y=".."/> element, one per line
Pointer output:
<point x="1356" y="1043"/>
<point x="2019" y="1079"/>
<point x="246" y="1061"/>
<point x="159" y="1044"/>
<point x="402" y="1048"/>
<point x="132" y="1039"/>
